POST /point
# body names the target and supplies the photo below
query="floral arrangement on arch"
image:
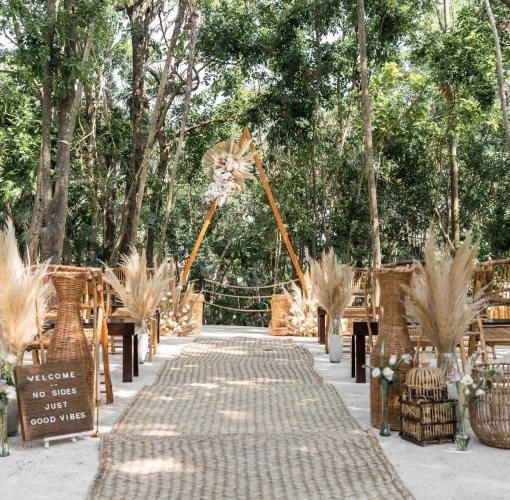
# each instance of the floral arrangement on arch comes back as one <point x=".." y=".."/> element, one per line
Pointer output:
<point x="177" y="318"/>
<point x="302" y="320"/>
<point x="227" y="167"/>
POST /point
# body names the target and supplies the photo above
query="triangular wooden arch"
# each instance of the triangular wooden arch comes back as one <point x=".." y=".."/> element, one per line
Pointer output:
<point x="246" y="137"/>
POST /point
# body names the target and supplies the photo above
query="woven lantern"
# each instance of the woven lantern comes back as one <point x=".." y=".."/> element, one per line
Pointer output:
<point x="426" y="413"/>
<point x="426" y="381"/>
<point x="280" y="310"/>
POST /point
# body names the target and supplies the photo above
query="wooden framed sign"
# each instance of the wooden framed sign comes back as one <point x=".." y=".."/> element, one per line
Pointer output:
<point x="53" y="400"/>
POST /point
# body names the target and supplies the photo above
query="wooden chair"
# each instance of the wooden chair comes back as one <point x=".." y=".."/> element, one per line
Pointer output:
<point x="492" y="279"/>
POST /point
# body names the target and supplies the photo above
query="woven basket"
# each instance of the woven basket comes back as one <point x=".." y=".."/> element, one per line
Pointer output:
<point x="490" y="414"/>
<point x="393" y="333"/>
<point x="68" y="342"/>
<point x="197" y="313"/>
<point x="279" y="331"/>
<point x="280" y="310"/>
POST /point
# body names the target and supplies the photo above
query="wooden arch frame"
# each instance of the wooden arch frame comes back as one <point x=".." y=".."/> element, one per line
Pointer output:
<point x="246" y="137"/>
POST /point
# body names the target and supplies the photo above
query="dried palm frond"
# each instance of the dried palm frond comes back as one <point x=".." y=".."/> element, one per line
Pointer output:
<point x="141" y="293"/>
<point x="302" y="320"/>
<point x="226" y="166"/>
<point x="333" y="284"/>
<point x="21" y="291"/>
<point x="177" y="317"/>
<point x="438" y="299"/>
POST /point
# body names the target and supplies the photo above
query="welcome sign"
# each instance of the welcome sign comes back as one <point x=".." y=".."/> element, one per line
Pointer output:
<point x="53" y="400"/>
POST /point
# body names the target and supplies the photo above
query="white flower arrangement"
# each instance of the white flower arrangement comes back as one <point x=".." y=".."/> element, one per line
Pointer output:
<point x="7" y="388"/>
<point x="387" y="374"/>
<point x="462" y="386"/>
<point x="227" y="168"/>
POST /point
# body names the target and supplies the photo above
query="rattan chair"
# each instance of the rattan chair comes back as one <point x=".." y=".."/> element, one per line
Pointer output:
<point x="492" y="279"/>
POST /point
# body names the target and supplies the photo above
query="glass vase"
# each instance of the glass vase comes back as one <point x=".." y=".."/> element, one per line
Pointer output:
<point x="385" y="421"/>
<point x="143" y="340"/>
<point x="335" y="341"/>
<point x="447" y="363"/>
<point x="4" y="405"/>
<point x="461" y="437"/>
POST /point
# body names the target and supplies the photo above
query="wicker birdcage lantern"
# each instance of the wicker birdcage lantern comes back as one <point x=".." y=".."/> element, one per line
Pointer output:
<point x="426" y="413"/>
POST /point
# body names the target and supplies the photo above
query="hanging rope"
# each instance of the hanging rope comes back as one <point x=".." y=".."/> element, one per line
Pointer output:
<point x="236" y="309"/>
<point x="237" y="296"/>
<point x="252" y="287"/>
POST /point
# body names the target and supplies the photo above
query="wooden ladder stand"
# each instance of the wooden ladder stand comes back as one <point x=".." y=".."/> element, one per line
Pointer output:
<point x="247" y="137"/>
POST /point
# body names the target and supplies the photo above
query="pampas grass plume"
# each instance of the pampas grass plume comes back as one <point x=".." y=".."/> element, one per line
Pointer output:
<point x="19" y="288"/>
<point x="438" y="294"/>
<point x="141" y="293"/>
<point x="333" y="284"/>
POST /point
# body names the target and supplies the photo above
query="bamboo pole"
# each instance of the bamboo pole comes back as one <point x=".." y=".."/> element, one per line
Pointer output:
<point x="199" y="241"/>
<point x="247" y="136"/>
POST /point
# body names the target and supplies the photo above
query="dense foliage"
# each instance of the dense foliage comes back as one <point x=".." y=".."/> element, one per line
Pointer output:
<point x="289" y="70"/>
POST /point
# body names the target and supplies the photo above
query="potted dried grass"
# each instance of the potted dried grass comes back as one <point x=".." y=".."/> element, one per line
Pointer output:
<point x="23" y="304"/>
<point x="334" y="292"/>
<point x="140" y="294"/>
<point x="438" y="298"/>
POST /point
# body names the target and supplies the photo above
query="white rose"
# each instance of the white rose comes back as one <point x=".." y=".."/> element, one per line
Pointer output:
<point x="393" y="359"/>
<point x="11" y="392"/>
<point x="11" y="359"/>
<point x="467" y="380"/>
<point x="388" y="373"/>
<point x="376" y="372"/>
<point x="479" y="392"/>
<point x="163" y="298"/>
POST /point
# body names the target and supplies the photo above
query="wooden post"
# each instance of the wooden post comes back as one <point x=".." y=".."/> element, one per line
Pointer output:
<point x="207" y="221"/>
<point x="245" y="137"/>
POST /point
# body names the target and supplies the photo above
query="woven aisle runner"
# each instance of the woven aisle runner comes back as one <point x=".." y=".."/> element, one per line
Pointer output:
<point x="241" y="418"/>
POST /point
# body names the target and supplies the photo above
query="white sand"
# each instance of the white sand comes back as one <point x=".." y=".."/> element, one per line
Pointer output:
<point x="65" y="470"/>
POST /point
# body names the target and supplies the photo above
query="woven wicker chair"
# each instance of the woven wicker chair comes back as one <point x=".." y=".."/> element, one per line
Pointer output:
<point x="492" y="278"/>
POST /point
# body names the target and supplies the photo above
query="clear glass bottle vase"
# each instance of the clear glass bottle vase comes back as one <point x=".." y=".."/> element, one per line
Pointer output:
<point x="461" y="436"/>
<point x="4" y="405"/>
<point x="385" y="420"/>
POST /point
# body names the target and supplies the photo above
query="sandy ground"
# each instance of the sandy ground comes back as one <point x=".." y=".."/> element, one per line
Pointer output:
<point x="65" y="470"/>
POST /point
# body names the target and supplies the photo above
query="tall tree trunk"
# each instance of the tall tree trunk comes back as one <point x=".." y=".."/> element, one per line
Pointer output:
<point x="53" y="233"/>
<point x="367" y="125"/>
<point x="164" y="154"/>
<point x="454" y="186"/>
<point x="155" y="124"/>
<point x="110" y="214"/>
<point x="318" y="75"/>
<point x="501" y="78"/>
<point x="91" y="154"/>
<point x="189" y="80"/>
<point x="140" y="15"/>
<point x="44" y="184"/>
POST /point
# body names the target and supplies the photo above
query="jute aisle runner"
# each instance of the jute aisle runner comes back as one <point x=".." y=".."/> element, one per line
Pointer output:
<point x="241" y="418"/>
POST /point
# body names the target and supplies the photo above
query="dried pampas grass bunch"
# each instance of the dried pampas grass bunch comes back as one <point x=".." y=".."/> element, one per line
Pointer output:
<point x="177" y="316"/>
<point x="438" y="299"/>
<point x="333" y="284"/>
<point x="302" y="321"/>
<point x="22" y="291"/>
<point x="141" y="293"/>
